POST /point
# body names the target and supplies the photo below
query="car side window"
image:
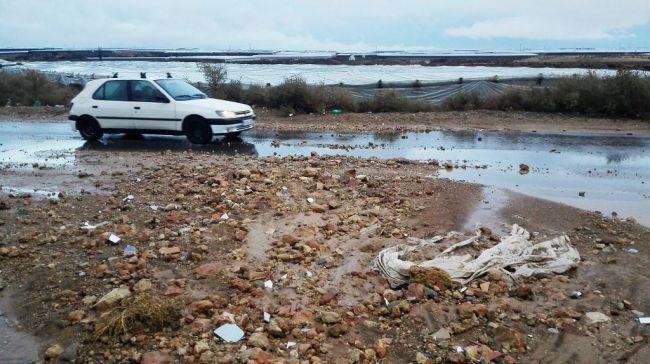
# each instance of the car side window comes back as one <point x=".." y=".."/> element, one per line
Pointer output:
<point x="112" y="91"/>
<point x="145" y="91"/>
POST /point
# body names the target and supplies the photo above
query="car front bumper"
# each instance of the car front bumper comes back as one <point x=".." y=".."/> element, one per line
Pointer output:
<point x="226" y="126"/>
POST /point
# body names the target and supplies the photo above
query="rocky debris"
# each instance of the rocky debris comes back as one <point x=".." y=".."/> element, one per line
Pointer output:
<point x="156" y="357"/>
<point x="208" y="269"/>
<point x="259" y="340"/>
<point x="309" y="225"/>
<point x="54" y="351"/>
<point x="524" y="169"/>
<point x="112" y="298"/>
<point x="597" y="317"/>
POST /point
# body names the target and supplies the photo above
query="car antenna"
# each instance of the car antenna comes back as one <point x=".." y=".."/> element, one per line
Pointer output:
<point x="115" y="75"/>
<point x="143" y="75"/>
<point x="169" y="75"/>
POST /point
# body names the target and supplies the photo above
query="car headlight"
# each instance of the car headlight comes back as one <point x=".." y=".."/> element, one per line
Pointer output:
<point x="226" y="114"/>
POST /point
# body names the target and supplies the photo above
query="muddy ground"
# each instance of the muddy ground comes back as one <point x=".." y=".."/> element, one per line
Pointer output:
<point x="401" y="122"/>
<point x="210" y="232"/>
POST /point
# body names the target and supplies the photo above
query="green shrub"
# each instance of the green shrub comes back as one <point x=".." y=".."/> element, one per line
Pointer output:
<point x="625" y="94"/>
<point x="296" y="95"/>
<point x="27" y="87"/>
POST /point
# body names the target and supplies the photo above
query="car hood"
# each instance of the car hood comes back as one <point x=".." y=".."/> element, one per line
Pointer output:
<point x="216" y="105"/>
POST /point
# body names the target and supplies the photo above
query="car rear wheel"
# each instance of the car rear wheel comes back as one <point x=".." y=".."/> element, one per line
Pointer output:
<point x="90" y="129"/>
<point x="199" y="132"/>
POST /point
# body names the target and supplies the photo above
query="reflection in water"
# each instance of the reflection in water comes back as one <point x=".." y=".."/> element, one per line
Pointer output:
<point x="133" y="143"/>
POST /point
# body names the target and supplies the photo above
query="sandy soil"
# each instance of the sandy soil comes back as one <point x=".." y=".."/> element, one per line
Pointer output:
<point x="311" y="225"/>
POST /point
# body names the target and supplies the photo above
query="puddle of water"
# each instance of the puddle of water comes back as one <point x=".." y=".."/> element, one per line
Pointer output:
<point x="611" y="170"/>
<point x="15" y="347"/>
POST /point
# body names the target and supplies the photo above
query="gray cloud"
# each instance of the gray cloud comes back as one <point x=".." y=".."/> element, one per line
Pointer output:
<point x="323" y="25"/>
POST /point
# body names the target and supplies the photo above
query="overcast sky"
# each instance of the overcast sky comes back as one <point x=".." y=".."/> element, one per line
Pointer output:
<point x="338" y="25"/>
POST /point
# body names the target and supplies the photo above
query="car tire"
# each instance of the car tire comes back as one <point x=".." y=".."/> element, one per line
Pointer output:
<point x="90" y="129"/>
<point x="198" y="132"/>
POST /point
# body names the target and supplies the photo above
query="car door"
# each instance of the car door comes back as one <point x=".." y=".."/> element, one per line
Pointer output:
<point x="110" y="105"/>
<point x="151" y="109"/>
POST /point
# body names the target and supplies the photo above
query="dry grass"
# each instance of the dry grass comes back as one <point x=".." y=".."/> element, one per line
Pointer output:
<point x="146" y="311"/>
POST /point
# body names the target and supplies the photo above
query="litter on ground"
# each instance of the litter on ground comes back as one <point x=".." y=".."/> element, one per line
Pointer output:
<point x="516" y="252"/>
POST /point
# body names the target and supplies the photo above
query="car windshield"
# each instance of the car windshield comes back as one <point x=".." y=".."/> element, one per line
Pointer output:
<point x="181" y="90"/>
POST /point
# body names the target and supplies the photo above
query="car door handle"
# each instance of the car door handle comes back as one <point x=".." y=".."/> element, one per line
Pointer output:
<point x="94" y="106"/>
<point x="137" y="107"/>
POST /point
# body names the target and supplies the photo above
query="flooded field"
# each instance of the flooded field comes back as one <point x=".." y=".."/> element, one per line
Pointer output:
<point x="593" y="172"/>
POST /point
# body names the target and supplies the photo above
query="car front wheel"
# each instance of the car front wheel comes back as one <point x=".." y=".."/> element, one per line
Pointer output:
<point x="90" y="129"/>
<point x="199" y="132"/>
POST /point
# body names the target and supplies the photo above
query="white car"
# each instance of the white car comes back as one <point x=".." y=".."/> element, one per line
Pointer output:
<point x="155" y="106"/>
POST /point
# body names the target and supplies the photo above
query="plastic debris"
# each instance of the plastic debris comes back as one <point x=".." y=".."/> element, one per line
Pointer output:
<point x="310" y="200"/>
<point x="87" y="226"/>
<point x="516" y="256"/>
<point x="219" y="217"/>
<point x="128" y="198"/>
<point x="154" y="207"/>
<point x="230" y="333"/>
<point x="268" y="284"/>
<point x="130" y="250"/>
<point x="309" y="274"/>
<point x="576" y="294"/>
<point x="291" y="344"/>
<point x="633" y="251"/>
<point x="644" y="320"/>
<point x="267" y="317"/>
<point x="114" y="239"/>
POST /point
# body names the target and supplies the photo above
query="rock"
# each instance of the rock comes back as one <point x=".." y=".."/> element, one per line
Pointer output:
<point x="76" y="316"/>
<point x="259" y="340"/>
<point x="201" y="346"/>
<point x="208" y="269"/>
<point x="505" y="335"/>
<point x="240" y="235"/>
<point x="456" y="358"/>
<point x="330" y="317"/>
<point x="112" y="298"/>
<point x="524" y="292"/>
<point x="524" y="168"/>
<point x="381" y="347"/>
<point x="337" y="330"/>
<point x="174" y="291"/>
<point x="201" y="306"/>
<point x="442" y="334"/>
<point x="53" y="351"/>
<point x="156" y="357"/>
<point x="495" y="274"/>
<point x="491" y="355"/>
<point x="274" y="329"/>
<point x="416" y="290"/>
<point x="327" y="297"/>
<point x="169" y="251"/>
<point x="70" y="353"/>
<point x="143" y="285"/>
<point x="485" y="286"/>
<point x="597" y="317"/>
<point x="201" y="325"/>
<point x="318" y="208"/>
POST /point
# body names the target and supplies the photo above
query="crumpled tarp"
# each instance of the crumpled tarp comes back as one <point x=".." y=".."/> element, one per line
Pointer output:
<point x="516" y="256"/>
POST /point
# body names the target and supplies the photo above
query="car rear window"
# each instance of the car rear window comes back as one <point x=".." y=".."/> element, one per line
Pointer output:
<point x="112" y="91"/>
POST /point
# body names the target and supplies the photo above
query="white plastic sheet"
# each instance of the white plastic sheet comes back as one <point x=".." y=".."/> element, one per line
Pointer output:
<point x="516" y="256"/>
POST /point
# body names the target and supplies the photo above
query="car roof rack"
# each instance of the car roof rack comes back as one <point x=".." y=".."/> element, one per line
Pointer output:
<point x="169" y="75"/>
<point x="143" y="74"/>
<point x="115" y="75"/>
